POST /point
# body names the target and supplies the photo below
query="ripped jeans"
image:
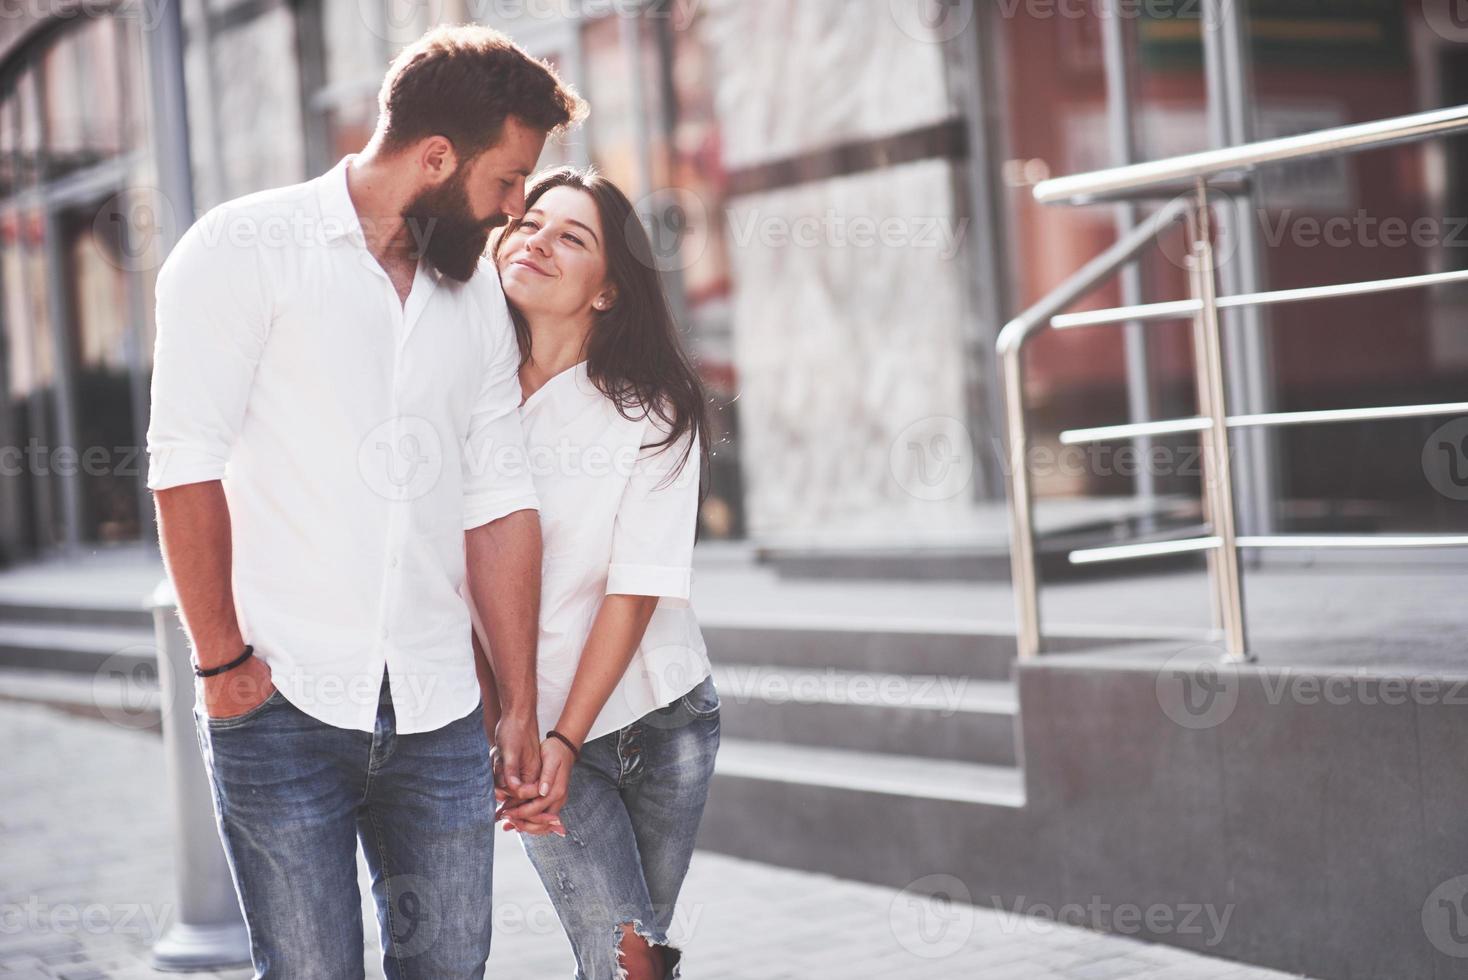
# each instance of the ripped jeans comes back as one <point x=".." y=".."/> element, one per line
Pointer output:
<point x="631" y="814"/>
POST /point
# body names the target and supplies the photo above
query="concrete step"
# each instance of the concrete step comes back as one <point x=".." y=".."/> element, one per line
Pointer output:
<point x="78" y="648"/>
<point x="892" y="645"/>
<point x="932" y="717"/>
<point x="125" y="699"/>
<point x="32" y="611"/>
<point x="980" y="553"/>
<point x="869" y="816"/>
<point x="870" y="773"/>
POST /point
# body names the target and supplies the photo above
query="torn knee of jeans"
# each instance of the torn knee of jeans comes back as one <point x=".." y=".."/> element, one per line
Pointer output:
<point x="672" y="956"/>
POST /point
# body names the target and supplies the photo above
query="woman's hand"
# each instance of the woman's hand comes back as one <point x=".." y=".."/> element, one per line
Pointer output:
<point x="541" y="815"/>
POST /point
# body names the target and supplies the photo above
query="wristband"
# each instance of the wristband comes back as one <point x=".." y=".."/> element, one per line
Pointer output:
<point x="575" y="752"/>
<point x="210" y="672"/>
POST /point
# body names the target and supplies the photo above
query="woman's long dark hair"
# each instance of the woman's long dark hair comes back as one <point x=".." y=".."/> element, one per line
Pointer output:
<point x="634" y="355"/>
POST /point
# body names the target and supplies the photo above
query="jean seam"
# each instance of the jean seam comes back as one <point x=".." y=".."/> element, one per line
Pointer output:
<point x="621" y="759"/>
<point x="224" y="724"/>
<point x="698" y="712"/>
<point x="392" y="935"/>
<point x="230" y="838"/>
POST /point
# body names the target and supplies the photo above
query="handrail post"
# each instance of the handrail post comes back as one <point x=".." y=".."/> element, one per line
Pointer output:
<point x="1223" y="563"/>
<point x="1023" y="575"/>
<point x="1012" y="340"/>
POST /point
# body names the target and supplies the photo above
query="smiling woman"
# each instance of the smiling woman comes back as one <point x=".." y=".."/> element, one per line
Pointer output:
<point x="614" y="423"/>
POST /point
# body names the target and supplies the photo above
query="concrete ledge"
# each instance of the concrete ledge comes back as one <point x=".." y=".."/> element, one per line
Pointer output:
<point x="1319" y="809"/>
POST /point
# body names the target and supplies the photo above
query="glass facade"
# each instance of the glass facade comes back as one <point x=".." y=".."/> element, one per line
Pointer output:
<point x="73" y="158"/>
<point x="1386" y="213"/>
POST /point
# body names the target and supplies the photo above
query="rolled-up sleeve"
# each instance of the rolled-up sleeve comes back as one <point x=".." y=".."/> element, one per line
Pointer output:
<point x="213" y="318"/>
<point x="497" y="479"/>
<point x="657" y="518"/>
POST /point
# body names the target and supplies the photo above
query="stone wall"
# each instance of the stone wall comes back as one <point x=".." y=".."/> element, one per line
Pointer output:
<point x="849" y="346"/>
<point x="245" y="127"/>
<point x="847" y="349"/>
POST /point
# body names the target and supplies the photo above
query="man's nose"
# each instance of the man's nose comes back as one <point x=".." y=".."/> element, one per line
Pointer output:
<point x="514" y="204"/>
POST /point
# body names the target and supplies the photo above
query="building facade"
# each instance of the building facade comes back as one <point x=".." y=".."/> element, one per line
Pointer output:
<point x="838" y="191"/>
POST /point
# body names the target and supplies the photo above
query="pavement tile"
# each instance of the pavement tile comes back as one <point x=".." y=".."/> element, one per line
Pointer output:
<point x="84" y="832"/>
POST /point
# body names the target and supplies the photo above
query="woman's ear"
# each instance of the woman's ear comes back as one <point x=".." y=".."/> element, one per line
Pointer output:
<point x="606" y="299"/>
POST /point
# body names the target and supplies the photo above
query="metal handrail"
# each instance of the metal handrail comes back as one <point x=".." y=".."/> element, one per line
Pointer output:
<point x="1109" y="433"/>
<point x="1218" y="540"/>
<point x="1184" y="308"/>
<point x="1102" y="185"/>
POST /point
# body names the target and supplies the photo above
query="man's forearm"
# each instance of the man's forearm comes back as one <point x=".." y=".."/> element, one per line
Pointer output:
<point x="194" y="532"/>
<point x="488" y="692"/>
<point x="504" y="583"/>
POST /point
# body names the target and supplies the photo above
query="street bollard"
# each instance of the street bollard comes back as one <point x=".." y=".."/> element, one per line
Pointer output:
<point x="208" y="931"/>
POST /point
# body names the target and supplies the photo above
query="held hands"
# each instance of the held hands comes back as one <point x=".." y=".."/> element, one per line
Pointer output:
<point x="535" y="808"/>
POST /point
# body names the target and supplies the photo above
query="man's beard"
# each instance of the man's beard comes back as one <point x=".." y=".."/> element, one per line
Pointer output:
<point x="444" y="232"/>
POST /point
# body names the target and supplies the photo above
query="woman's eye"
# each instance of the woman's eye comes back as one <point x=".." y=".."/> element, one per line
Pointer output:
<point x="507" y="184"/>
<point x="529" y="225"/>
<point x="574" y="240"/>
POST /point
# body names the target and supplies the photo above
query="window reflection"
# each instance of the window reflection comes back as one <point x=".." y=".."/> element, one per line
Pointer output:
<point x="74" y="306"/>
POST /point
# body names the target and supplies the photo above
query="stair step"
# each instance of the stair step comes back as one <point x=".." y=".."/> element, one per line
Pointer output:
<point x="24" y="611"/>
<point x="870" y="772"/>
<point x="956" y="718"/>
<point x="883" y="645"/>
<point x="921" y="645"/>
<point x="124" y="699"/>
<point x="52" y="646"/>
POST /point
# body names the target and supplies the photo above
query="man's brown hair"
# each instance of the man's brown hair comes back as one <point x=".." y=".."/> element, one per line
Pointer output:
<point x="462" y="82"/>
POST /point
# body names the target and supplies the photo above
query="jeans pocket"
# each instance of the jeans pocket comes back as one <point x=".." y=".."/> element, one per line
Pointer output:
<point x="235" y="721"/>
<point x="703" y="701"/>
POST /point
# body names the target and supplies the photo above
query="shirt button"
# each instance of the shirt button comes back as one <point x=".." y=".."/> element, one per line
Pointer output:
<point x="392" y="562"/>
<point x="384" y="632"/>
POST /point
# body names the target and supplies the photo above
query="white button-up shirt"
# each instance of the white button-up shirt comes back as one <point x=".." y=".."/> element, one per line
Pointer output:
<point x="615" y="519"/>
<point x="357" y="438"/>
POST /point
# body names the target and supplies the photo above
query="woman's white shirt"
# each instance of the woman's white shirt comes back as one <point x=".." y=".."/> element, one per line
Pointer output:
<point x="616" y="518"/>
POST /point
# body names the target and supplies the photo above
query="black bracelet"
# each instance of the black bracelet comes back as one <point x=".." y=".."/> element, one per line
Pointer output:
<point x="575" y="752"/>
<point x="201" y="672"/>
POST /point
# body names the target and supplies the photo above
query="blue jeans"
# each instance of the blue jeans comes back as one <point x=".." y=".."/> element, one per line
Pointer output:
<point x="294" y="795"/>
<point x="631" y="815"/>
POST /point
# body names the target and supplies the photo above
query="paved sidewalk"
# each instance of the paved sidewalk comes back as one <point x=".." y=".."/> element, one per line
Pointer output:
<point x="86" y="886"/>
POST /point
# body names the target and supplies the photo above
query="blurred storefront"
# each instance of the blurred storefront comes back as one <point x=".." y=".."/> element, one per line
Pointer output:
<point x="839" y="196"/>
<point x="74" y="283"/>
<point x="1302" y="65"/>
